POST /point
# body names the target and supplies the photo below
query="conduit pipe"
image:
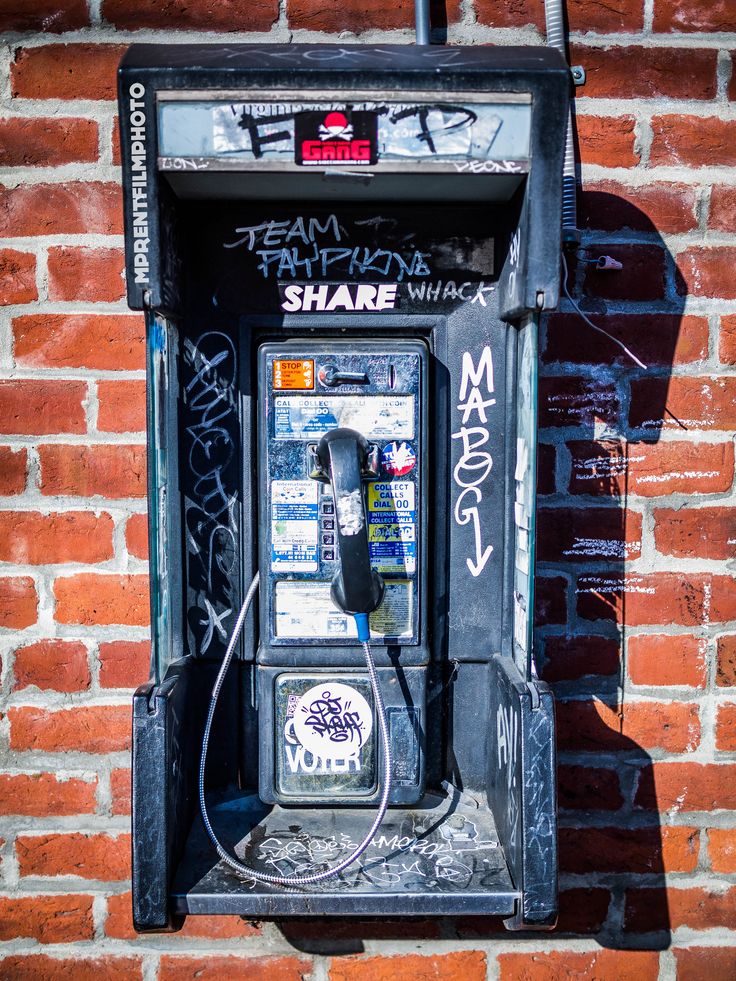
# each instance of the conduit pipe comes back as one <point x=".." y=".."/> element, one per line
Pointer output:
<point x="421" y="21"/>
<point x="555" y="18"/>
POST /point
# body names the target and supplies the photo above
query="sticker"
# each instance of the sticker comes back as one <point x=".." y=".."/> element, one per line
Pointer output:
<point x="398" y="459"/>
<point x="375" y="416"/>
<point x="391" y="501"/>
<point x="326" y="297"/>
<point x="293" y="374"/>
<point x="305" y="610"/>
<point x="294" y="525"/>
<point x="335" y="137"/>
<point x="332" y="720"/>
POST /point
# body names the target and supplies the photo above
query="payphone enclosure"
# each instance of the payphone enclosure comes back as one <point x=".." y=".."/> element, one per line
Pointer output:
<point x="352" y="239"/>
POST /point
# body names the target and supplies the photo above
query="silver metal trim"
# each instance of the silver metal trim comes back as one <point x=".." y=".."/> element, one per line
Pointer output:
<point x="202" y="165"/>
<point x="339" y="95"/>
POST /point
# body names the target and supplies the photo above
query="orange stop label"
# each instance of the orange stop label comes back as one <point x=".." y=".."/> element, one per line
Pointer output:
<point x="292" y="375"/>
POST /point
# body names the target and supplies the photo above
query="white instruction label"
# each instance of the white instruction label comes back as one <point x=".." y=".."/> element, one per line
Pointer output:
<point x="294" y="525"/>
<point x="375" y="416"/>
<point x="305" y="610"/>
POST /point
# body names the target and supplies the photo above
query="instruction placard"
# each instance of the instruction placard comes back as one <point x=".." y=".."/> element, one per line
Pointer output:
<point x="375" y="416"/>
<point x="294" y="525"/>
<point x="392" y="526"/>
<point x="305" y="610"/>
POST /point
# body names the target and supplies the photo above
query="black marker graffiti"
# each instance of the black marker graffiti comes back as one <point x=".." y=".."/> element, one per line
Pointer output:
<point x="327" y="716"/>
<point x="210" y="511"/>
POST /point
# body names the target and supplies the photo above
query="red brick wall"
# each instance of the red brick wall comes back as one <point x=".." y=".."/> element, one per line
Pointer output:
<point x="637" y="532"/>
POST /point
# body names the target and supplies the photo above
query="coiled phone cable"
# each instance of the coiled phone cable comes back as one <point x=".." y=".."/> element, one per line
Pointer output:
<point x="297" y="880"/>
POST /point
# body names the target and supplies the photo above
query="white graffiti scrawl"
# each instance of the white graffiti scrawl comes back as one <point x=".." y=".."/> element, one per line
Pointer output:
<point x="475" y="463"/>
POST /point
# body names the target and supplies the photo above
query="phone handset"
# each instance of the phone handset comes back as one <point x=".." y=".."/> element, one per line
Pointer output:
<point x="344" y="459"/>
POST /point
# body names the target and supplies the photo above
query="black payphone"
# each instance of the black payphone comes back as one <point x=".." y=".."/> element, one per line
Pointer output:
<point x="342" y="253"/>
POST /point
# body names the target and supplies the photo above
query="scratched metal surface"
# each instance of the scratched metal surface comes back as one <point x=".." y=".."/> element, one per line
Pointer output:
<point x="441" y="857"/>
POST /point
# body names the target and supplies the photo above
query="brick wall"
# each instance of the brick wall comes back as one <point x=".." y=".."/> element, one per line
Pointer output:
<point x="637" y="606"/>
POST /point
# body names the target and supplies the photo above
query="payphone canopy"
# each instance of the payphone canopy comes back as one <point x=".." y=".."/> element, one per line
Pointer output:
<point x="193" y="138"/>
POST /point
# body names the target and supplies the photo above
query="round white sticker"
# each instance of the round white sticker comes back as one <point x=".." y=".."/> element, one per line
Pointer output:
<point x="332" y="720"/>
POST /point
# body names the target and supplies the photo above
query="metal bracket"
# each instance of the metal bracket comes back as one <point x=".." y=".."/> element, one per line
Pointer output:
<point x="578" y="75"/>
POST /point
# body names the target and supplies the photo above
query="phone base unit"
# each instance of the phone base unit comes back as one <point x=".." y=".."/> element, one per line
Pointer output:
<point x="342" y="288"/>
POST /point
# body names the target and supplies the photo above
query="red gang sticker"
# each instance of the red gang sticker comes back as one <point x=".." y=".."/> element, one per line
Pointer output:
<point x="398" y="459"/>
<point x="335" y="137"/>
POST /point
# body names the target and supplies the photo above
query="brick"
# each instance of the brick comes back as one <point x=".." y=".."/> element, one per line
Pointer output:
<point x="58" y="665"/>
<point x="89" y="856"/>
<point x="582" y="15"/>
<point x="209" y="968"/>
<point x="514" y="13"/>
<point x="641" y="278"/>
<point x="662" y="598"/>
<point x="608" y="141"/>
<point x="546" y="455"/>
<point x="98" y="600"/>
<point x="66" y="71"/>
<point x="695" y="141"/>
<point x="34" y="407"/>
<point x="659" y="909"/>
<point x="32" y="538"/>
<point x="633" y="72"/>
<point x="357" y="16"/>
<point x="17" y="277"/>
<point x="692" y="16"/>
<point x="726" y="728"/>
<point x="106" y="341"/>
<point x="331" y="929"/>
<point x="705" y="533"/>
<point x="713" y="963"/>
<point x="550" y="600"/>
<point x="674" y="403"/>
<point x="706" y="271"/>
<point x="85" y="729"/>
<point x="120" y="785"/>
<point x="687" y="787"/>
<point x="38" y="142"/>
<point x="13" y="470"/>
<point x="618" y="469"/>
<point x="658" y="207"/>
<point x="119" y="924"/>
<point x="726" y="661"/>
<point x="124" y="663"/>
<point x="86" y="274"/>
<point x="634" y="850"/>
<point x="582" y="910"/>
<point x="561" y="965"/>
<point x="722" y="211"/>
<point x="86" y="471"/>
<point x="727" y="340"/>
<point x="46" y="795"/>
<point x="48" y="919"/>
<point x="54" y="16"/>
<point x="663" y="659"/>
<point x="203" y="15"/>
<point x="465" y="965"/>
<point x="39" y="967"/>
<point x="594" y="726"/>
<point x="568" y="658"/>
<point x="588" y="534"/>
<point x="588" y="788"/>
<point x="122" y="406"/>
<point x="18" y="602"/>
<point x="722" y="849"/>
<point x="136" y="536"/>
<point x="656" y="339"/>
<point x="576" y="402"/>
<point x="73" y="208"/>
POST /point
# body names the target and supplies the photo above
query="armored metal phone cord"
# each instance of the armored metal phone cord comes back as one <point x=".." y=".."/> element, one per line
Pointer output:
<point x="293" y="880"/>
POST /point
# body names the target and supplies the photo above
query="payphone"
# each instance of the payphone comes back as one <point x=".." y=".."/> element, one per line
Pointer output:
<point x="342" y="254"/>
